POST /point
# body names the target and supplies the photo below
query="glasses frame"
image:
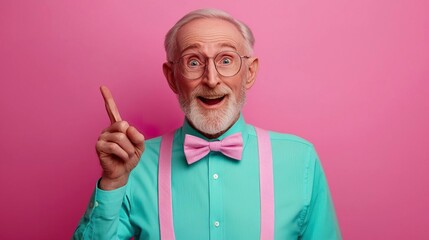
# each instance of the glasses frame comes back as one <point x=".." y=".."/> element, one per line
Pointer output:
<point x="206" y="62"/>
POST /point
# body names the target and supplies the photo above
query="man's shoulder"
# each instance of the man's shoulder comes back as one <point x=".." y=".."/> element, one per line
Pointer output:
<point x="289" y="137"/>
<point x="153" y="144"/>
<point x="276" y="136"/>
<point x="154" y="140"/>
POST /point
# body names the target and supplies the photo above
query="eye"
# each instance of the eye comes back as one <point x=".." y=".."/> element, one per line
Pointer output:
<point x="194" y="62"/>
<point x="226" y="61"/>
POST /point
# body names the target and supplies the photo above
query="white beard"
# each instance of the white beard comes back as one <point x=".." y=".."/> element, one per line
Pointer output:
<point x="213" y="121"/>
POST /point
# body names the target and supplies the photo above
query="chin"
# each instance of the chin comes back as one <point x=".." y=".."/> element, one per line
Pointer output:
<point x="216" y="120"/>
<point x="212" y="121"/>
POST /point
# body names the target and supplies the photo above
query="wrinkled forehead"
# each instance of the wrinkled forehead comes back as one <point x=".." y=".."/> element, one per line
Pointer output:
<point x="209" y="36"/>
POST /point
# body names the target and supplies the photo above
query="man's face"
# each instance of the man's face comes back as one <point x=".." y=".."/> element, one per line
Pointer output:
<point x="212" y="103"/>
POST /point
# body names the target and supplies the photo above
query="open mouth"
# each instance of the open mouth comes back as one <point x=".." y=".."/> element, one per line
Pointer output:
<point x="211" y="100"/>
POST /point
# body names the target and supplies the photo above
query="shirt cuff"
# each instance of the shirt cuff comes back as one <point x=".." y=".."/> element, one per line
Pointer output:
<point x="107" y="204"/>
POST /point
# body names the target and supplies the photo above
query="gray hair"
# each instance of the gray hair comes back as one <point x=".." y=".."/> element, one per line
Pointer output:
<point x="170" y="42"/>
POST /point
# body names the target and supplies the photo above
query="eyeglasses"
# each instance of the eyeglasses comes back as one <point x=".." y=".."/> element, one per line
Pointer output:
<point x="192" y="66"/>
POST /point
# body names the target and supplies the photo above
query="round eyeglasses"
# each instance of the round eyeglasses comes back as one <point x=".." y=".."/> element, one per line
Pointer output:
<point x="192" y="66"/>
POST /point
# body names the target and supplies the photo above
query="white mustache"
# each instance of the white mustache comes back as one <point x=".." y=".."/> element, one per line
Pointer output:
<point x="205" y="92"/>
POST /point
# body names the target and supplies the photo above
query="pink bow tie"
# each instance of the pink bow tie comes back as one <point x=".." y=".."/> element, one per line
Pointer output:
<point x="196" y="148"/>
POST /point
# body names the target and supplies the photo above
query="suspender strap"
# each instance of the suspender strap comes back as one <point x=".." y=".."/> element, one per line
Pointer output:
<point x="266" y="184"/>
<point x="165" y="204"/>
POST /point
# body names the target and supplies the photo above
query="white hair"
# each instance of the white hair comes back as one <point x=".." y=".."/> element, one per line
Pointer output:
<point x="170" y="43"/>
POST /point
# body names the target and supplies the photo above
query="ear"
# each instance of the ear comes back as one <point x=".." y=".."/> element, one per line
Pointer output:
<point x="168" y="70"/>
<point x="252" y="70"/>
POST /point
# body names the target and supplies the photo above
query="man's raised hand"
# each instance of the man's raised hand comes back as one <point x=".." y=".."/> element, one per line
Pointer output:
<point x="119" y="147"/>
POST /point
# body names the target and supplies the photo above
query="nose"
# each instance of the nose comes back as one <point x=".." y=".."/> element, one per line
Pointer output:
<point x="211" y="76"/>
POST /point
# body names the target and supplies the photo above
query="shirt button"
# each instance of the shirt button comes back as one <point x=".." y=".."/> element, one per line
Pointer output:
<point x="216" y="223"/>
<point x="93" y="204"/>
<point x="215" y="176"/>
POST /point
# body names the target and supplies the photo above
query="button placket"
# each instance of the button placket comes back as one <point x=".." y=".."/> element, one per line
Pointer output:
<point x="215" y="195"/>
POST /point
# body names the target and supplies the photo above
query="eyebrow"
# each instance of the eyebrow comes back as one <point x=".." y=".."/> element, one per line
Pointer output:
<point x="197" y="46"/>
<point x="192" y="46"/>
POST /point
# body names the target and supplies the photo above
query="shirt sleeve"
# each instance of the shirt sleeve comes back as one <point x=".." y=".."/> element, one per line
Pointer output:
<point x="106" y="216"/>
<point x="321" y="221"/>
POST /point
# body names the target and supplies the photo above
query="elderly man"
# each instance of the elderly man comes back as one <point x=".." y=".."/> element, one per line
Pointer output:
<point x="216" y="177"/>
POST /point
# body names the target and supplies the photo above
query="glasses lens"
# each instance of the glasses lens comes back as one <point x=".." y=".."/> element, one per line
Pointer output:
<point x="228" y="64"/>
<point x="193" y="66"/>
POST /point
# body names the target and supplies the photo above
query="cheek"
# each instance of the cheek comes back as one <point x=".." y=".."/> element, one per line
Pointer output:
<point x="237" y="85"/>
<point x="185" y="88"/>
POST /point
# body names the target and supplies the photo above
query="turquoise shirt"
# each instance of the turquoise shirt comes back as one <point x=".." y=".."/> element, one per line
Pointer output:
<point x="218" y="197"/>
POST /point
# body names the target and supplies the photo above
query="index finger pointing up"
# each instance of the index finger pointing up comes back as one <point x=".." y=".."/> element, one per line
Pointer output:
<point x="111" y="108"/>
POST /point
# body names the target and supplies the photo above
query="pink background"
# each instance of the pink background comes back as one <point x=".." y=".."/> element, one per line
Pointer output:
<point x="350" y="76"/>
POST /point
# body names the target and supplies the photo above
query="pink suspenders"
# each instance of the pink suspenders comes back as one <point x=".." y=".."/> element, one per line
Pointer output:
<point x="165" y="201"/>
<point x="266" y="186"/>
